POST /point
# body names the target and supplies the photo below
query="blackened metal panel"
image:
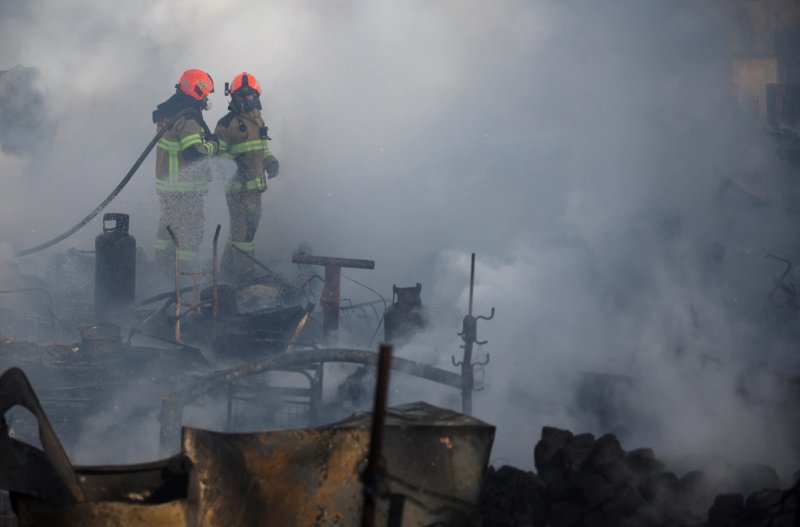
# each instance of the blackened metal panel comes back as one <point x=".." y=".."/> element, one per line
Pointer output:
<point x="290" y="477"/>
<point x="32" y="513"/>
<point x="435" y="458"/>
<point x="48" y="474"/>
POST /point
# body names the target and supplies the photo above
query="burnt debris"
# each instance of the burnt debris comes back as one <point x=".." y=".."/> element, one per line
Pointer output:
<point x="583" y="481"/>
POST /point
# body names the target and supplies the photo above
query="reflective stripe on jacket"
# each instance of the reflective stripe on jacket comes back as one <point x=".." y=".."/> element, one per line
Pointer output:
<point x="177" y="169"/>
<point x="242" y="137"/>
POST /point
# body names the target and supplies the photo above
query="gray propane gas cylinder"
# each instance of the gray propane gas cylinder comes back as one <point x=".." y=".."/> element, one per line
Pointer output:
<point x="115" y="267"/>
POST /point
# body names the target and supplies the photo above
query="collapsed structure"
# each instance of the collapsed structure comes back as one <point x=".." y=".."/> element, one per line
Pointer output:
<point x="212" y="344"/>
<point x="256" y="357"/>
<point x="433" y="464"/>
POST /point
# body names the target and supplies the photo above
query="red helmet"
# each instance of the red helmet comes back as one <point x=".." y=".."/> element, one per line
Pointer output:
<point x="196" y="83"/>
<point x="244" y="80"/>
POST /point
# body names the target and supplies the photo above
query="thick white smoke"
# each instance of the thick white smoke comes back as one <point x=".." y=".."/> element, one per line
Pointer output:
<point x="577" y="148"/>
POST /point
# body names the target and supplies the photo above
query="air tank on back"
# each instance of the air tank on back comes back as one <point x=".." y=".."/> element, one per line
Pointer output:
<point x="115" y="267"/>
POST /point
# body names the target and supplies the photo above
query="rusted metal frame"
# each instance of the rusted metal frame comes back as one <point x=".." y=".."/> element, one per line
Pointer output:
<point x="194" y="275"/>
<point x="181" y="345"/>
<point x="372" y="477"/>
<point x="177" y="323"/>
<point x="329" y="300"/>
<point x="172" y="405"/>
<point x="288" y="391"/>
<point x="305" y="357"/>
<point x="196" y="303"/>
<point x="360" y="313"/>
<point x="300" y="371"/>
<point x="298" y="343"/>
<point x="16" y="390"/>
<point x="314" y="390"/>
<point x="362" y="308"/>
<point x="191" y="308"/>
<point x="368" y="288"/>
<point x="360" y="305"/>
<point x="304" y="286"/>
<point x="195" y="290"/>
<point x="280" y="390"/>
<point x="161" y="296"/>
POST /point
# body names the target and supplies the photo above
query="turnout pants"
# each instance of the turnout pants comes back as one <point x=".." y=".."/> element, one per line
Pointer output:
<point x="245" y="214"/>
<point x="183" y="212"/>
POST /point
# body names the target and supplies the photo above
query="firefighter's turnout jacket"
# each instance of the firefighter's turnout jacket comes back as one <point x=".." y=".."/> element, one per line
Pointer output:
<point x="243" y="138"/>
<point x="181" y="181"/>
<point x="179" y="147"/>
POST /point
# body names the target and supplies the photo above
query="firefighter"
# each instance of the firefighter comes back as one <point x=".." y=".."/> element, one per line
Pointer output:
<point x="181" y="178"/>
<point x="243" y="137"/>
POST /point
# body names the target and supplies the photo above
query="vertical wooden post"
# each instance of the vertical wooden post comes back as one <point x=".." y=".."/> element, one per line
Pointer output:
<point x="331" y="293"/>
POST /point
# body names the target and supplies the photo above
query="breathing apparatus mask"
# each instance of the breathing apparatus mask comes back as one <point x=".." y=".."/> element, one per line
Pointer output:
<point x="244" y="99"/>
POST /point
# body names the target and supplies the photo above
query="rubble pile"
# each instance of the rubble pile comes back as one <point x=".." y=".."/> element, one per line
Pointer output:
<point x="767" y="507"/>
<point x="593" y="482"/>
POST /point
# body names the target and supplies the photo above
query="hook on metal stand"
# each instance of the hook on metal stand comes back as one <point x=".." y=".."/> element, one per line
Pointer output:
<point x="490" y="317"/>
<point x="469" y="334"/>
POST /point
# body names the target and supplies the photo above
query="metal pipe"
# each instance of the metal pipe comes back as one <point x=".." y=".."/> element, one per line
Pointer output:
<point x="469" y="333"/>
<point x="329" y="301"/>
<point x="467" y="379"/>
<point x="173" y="404"/>
<point x="471" y="281"/>
<point x="177" y="285"/>
<point x="374" y="470"/>
<point x="214" y="272"/>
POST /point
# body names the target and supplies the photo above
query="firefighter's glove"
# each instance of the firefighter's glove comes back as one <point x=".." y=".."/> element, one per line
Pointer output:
<point x="211" y="138"/>
<point x="272" y="168"/>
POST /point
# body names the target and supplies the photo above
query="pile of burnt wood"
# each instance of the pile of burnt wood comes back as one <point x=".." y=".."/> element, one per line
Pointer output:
<point x="586" y="481"/>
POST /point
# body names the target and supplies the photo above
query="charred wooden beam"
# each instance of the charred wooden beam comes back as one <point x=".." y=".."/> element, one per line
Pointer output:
<point x="332" y="291"/>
